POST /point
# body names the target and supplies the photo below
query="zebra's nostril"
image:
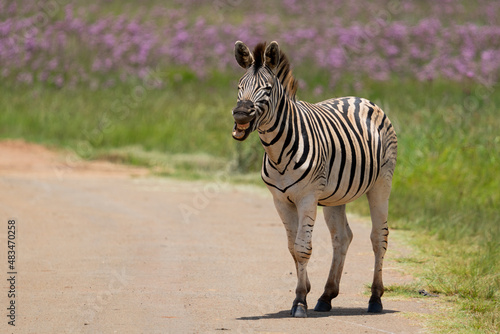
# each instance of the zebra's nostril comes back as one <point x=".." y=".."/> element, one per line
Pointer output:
<point x="243" y="117"/>
<point x="243" y="113"/>
<point x="244" y="105"/>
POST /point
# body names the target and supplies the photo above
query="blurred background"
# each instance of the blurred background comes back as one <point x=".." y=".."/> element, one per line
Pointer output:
<point x="153" y="82"/>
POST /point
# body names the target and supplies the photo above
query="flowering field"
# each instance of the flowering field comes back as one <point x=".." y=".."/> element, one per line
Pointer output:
<point x="100" y="43"/>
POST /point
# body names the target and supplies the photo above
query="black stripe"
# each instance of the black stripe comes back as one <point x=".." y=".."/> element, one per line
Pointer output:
<point x="305" y="139"/>
<point x="358" y="134"/>
<point x="279" y="111"/>
<point x="373" y="160"/>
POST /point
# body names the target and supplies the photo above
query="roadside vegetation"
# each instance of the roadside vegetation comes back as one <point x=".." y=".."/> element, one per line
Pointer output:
<point x="121" y="83"/>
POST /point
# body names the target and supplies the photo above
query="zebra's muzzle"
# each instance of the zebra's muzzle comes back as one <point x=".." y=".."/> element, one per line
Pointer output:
<point x="244" y="113"/>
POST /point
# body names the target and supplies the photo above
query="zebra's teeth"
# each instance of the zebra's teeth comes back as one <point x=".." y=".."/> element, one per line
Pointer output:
<point x="238" y="134"/>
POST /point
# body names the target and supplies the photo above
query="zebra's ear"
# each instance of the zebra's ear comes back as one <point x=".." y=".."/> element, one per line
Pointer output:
<point x="272" y="55"/>
<point x="243" y="55"/>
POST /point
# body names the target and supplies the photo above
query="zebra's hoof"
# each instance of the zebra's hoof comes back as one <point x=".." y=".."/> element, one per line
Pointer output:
<point x="299" y="311"/>
<point x="375" y="307"/>
<point x="323" y="306"/>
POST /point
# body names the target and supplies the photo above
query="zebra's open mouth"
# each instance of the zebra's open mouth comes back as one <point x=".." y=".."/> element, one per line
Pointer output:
<point x="241" y="131"/>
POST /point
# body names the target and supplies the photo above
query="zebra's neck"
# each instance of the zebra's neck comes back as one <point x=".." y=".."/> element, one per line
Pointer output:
<point x="279" y="133"/>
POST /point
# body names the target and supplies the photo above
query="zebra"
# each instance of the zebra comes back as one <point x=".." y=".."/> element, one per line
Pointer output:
<point x="324" y="154"/>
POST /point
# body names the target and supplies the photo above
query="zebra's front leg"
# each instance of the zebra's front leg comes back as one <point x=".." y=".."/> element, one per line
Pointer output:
<point x="289" y="216"/>
<point x="306" y="210"/>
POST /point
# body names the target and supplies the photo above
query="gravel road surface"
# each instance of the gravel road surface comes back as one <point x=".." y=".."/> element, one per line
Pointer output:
<point x="105" y="248"/>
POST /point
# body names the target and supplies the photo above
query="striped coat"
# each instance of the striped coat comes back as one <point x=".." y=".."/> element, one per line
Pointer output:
<point x="339" y="145"/>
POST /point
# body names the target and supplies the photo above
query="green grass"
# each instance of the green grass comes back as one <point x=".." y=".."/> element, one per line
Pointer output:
<point x="445" y="186"/>
<point x="181" y="118"/>
<point x="464" y="275"/>
<point x="398" y="291"/>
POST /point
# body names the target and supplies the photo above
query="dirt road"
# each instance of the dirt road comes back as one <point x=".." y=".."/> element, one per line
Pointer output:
<point x="102" y="248"/>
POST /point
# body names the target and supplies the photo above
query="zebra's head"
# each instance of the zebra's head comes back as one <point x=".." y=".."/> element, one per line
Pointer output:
<point x="254" y="88"/>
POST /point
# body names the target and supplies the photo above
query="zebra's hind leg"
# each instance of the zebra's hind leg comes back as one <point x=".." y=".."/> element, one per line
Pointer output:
<point x="378" y="199"/>
<point x="341" y="234"/>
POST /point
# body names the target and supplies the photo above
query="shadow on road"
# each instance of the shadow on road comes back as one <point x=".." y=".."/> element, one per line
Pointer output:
<point x="337" y="311"/>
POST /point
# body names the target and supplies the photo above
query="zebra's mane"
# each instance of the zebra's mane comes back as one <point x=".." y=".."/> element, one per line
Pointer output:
<point x="283" y="71"/>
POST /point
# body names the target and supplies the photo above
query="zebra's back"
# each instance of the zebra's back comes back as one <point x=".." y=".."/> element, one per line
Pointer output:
<point x="362" y="147"/>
